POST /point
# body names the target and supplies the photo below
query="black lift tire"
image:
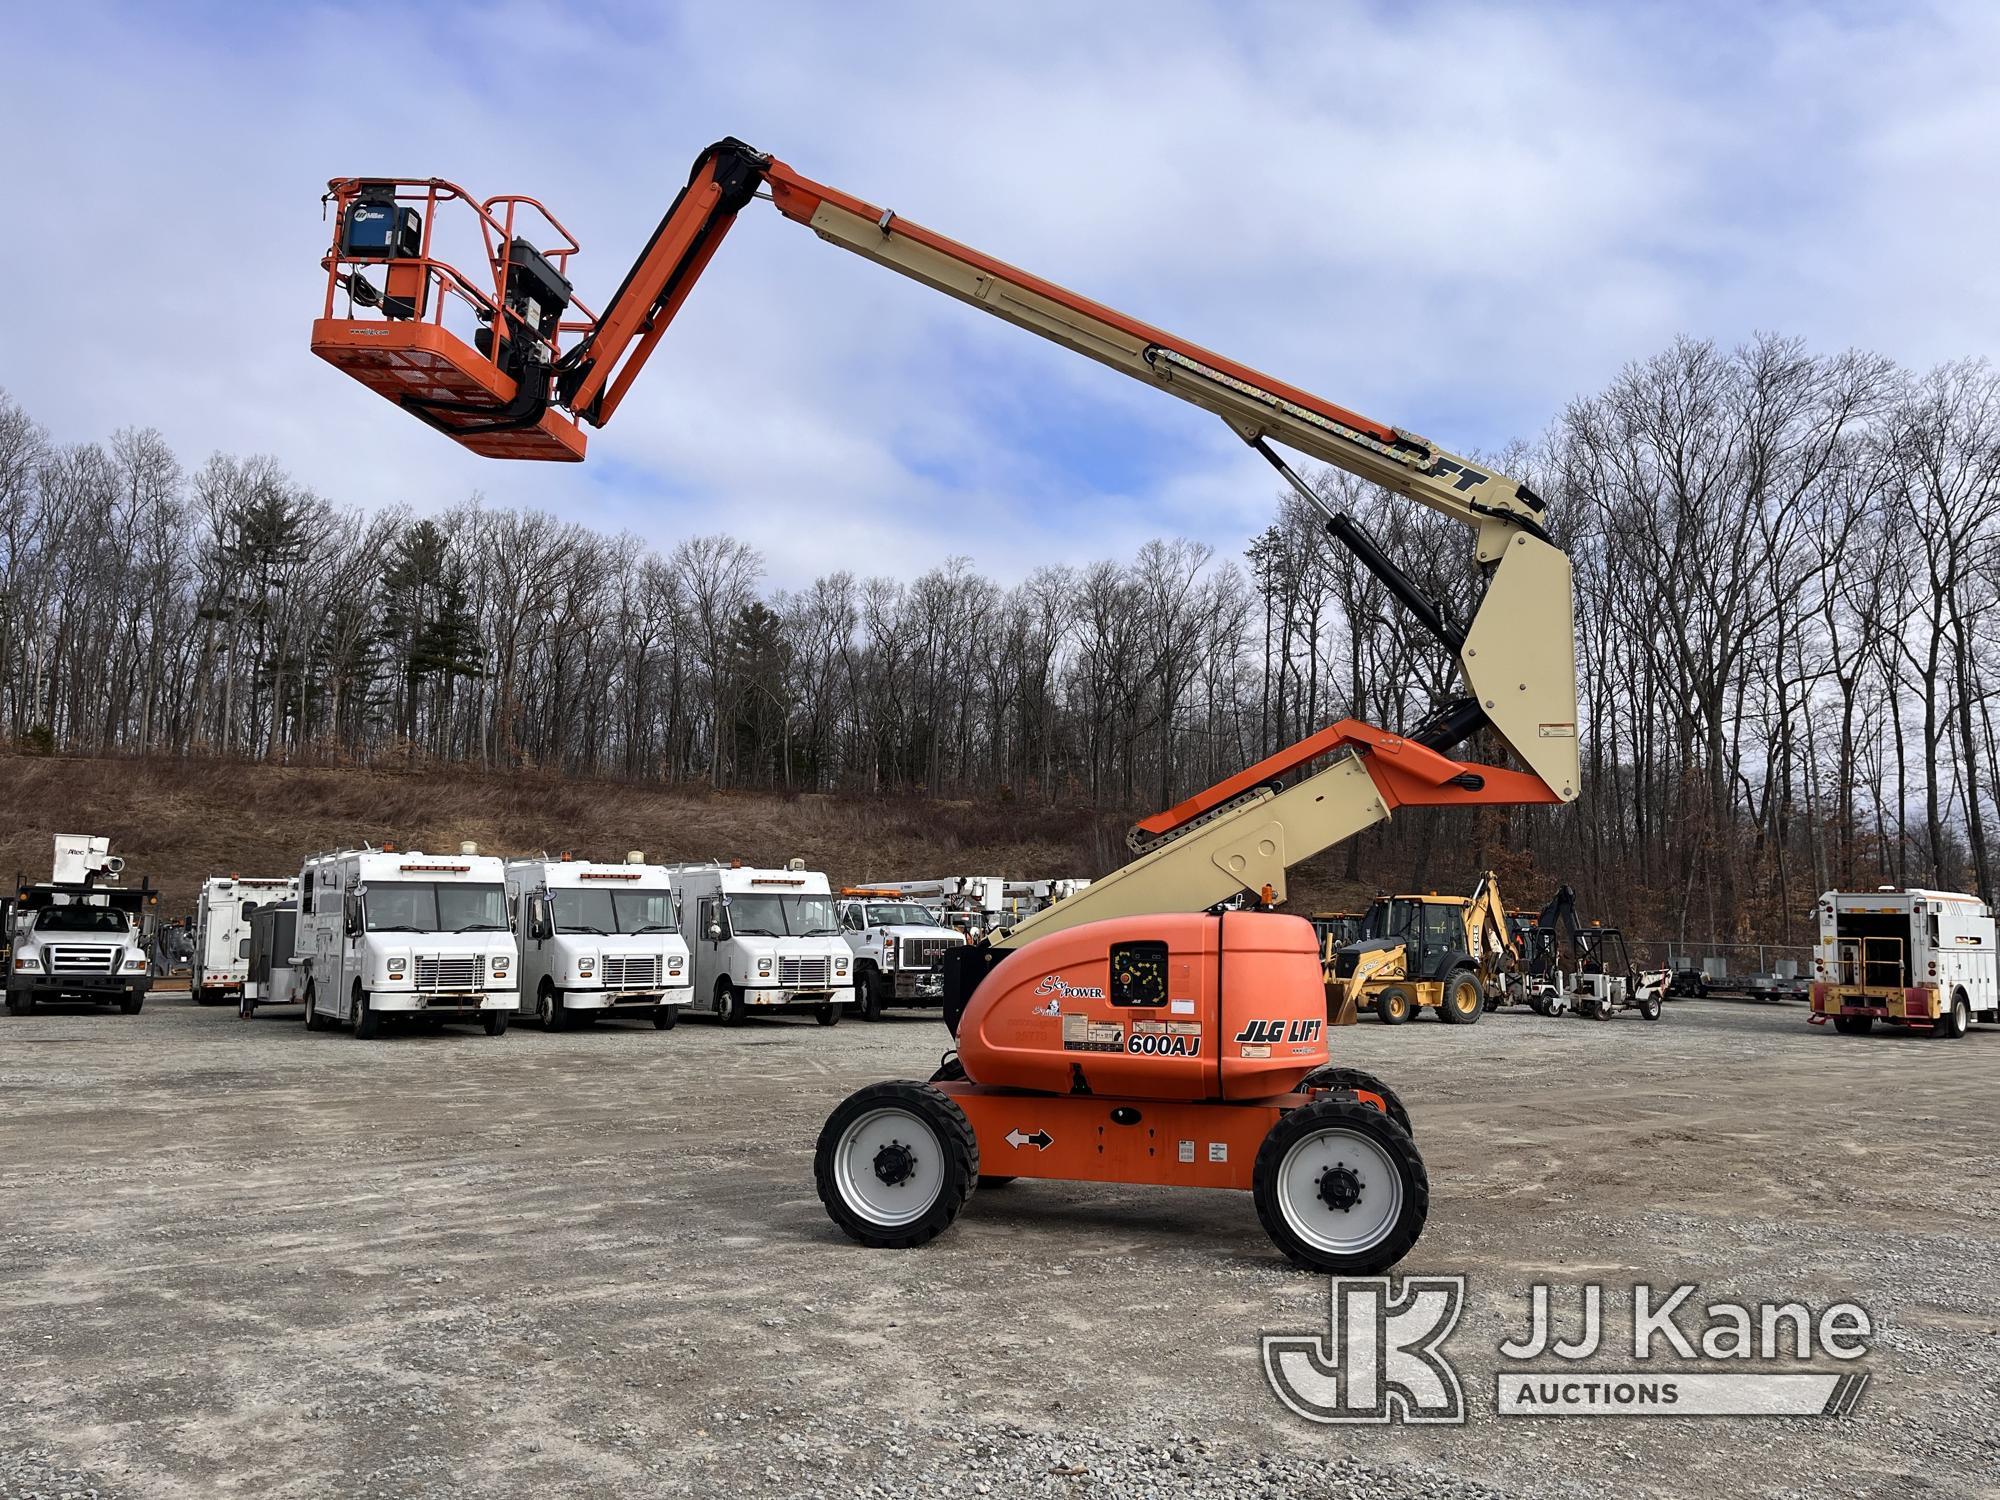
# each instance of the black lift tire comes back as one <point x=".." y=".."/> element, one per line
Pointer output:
<point x="1330" y="1159"/>
<point x="1331" y="1077"/>
<point x="920" y="1140"/>
<point x="951" y="1070"/>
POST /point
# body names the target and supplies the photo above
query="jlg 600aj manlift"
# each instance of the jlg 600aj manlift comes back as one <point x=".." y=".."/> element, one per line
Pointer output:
<point x="1135" y="1032"/>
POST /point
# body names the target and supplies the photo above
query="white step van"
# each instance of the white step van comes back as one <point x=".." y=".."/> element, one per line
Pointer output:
<point x="598" y="939"/>
<point x="767" y="941"/>
<point x="415" y="936"/>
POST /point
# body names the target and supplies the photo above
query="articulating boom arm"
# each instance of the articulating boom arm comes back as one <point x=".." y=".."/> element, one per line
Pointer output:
<point x="595" y="375"/>
<point x="1517" y="652"/>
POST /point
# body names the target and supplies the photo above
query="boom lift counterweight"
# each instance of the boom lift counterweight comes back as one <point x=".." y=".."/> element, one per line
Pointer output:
<point x="1082" y="1019"/>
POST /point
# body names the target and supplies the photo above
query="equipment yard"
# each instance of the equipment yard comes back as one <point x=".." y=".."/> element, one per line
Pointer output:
<point x="242" y="1259"/>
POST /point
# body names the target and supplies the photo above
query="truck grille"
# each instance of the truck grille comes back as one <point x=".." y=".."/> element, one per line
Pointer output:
<point x="80" y="958"/>
<point x="448" y="973"/>
<point x="635" y="971"/>
<point x="923" y="953"/>
<point x="803" y="973"/>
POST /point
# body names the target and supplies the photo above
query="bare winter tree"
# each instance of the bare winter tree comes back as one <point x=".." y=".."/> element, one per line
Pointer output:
<point x="1788" y="621"/>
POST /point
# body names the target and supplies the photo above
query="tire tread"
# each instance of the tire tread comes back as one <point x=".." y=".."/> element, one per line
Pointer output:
<point x="961" y="1145"/>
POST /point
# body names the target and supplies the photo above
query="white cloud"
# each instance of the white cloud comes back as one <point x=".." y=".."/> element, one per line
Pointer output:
<point x="1452" y="217"/>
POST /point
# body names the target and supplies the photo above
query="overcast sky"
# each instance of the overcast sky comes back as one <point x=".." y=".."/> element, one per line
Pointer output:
<point x="1449" y="217"/>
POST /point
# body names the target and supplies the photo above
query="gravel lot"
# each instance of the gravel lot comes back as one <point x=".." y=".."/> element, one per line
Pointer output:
<point x="242" y="1259"/>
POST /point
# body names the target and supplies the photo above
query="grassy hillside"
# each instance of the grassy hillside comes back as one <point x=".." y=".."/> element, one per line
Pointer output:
<point x="182" y="821"/>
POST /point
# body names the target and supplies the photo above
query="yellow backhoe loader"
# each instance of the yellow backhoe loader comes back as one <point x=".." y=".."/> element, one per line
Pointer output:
<point x="1449" y="953"/>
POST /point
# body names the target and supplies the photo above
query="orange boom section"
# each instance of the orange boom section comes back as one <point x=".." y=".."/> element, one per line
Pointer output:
<point x="471" y="355"/>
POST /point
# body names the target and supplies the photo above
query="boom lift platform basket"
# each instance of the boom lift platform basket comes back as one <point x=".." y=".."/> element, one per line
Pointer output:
<point x="397" y="316"/>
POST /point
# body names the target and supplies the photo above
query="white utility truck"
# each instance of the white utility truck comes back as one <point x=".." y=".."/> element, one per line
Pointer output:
<point x="598" y="939"/>
<point x="222" y="932"/>
<point x="899" y="947"/>
<point x="382" y="933"/>
<point x="74" y="938"/>
<point x="766" y="940"/>
<point x="1906" y="958"/>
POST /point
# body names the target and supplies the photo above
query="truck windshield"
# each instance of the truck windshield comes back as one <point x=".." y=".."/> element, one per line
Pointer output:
<point x="894" y="914"/>
<point x="434" y="906"/>
<point x="783" y="916"/>
<point x="603" y="911"/>
<point x="82" y="919"/>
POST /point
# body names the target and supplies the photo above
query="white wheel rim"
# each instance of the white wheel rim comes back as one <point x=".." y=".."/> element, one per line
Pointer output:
<point x="889" y="1204"/>
<point x="1326" y="1228"/>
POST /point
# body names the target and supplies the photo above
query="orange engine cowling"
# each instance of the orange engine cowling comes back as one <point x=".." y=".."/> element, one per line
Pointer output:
<point x="1176" y="1006"/>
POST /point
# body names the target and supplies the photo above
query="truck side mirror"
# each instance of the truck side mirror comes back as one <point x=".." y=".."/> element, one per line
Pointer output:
<point x="715" y="932"/>
<point x="540" y="928"/>
<point x="353" y="921"/>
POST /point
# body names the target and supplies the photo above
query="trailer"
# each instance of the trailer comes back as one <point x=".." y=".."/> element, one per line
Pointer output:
<point x="272" y="971"/>
<point x="599" y="939"/>
<point x="415" y="937"/>
<point x="1565" y="966"/>
<point x="1907" y="958"/>
<point x="222" y="931"/>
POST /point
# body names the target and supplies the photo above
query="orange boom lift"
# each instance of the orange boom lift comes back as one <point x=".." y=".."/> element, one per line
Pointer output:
<point x="1142" y="1030"/>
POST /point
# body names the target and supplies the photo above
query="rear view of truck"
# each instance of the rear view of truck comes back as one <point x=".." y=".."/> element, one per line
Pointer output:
<point x="222" y="932"/>
<point x="1906" y="958"/>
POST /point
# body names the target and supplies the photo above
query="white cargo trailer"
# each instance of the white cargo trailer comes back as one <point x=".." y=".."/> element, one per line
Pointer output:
<point x="272" y="970"/>
<point x="383" y="933"/>
<point x="764" y="940"/>
<point x="1907" y="958"/>
<point x="222" y="932"/>
<point x="598" y="939"/>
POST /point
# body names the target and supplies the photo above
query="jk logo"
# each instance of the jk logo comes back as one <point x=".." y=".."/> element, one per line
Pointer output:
<point x="1379" y="1358"/>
